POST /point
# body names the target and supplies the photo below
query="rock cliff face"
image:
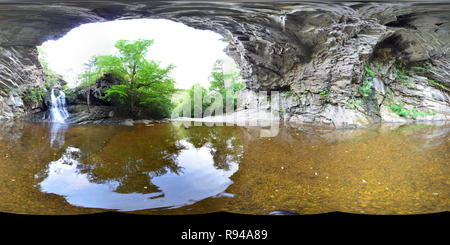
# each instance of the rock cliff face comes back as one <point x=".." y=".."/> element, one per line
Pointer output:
<point x="21" y="75"/>
<point x="334" y="63"/>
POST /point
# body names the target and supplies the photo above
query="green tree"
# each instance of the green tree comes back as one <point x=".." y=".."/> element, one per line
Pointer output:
<point x="132" y="57"/>
<point x="88" y="67"/>
<point x="144" y="83"/>
<point x="209" y="97"/>
<point x="43" y="56"/>
<point x="217" y="83"/>
<point x="217" y="77"/>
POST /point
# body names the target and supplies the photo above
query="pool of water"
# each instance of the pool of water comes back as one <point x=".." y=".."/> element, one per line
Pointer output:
<point x="55" y="168"/>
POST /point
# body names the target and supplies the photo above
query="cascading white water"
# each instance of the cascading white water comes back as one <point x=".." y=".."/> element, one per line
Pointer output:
<point x="58" y="111"/>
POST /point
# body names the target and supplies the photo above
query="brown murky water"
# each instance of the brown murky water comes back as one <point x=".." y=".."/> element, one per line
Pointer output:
<point x="52" y="168"/>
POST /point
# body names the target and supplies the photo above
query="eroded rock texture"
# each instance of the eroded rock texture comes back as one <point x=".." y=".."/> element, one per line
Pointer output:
<point x="334" y="63"/>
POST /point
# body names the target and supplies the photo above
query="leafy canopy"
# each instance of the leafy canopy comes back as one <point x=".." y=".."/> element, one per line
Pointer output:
<point x="145" y="87"/>
<point x="216" y="91"/>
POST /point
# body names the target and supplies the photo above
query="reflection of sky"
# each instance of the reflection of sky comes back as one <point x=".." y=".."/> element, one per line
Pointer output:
<point x="199" y="180"/>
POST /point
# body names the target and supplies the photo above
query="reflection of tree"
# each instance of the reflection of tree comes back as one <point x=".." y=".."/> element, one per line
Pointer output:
<point x="224" y="143"/>
<point x="133" y="157"/>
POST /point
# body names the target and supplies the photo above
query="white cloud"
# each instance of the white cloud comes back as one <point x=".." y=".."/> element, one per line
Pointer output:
<point x="192" y="51"/>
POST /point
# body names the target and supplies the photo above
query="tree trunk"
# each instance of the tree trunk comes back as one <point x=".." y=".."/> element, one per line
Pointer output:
<point x="132" y="87"/>
<point x="89" y="90"/>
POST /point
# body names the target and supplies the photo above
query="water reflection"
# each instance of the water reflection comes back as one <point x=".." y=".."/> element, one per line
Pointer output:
<point x="155" y="167"/>
<point x="57" y="133"/>
<point x="50" y="168"/>
<point x="384" y="169"/>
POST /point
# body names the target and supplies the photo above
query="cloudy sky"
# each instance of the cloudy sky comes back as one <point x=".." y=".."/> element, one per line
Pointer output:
<point x="192" y="51"/>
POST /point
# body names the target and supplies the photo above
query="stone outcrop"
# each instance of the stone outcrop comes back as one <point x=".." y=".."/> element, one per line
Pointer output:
<point x="97" y="91"/>
<point x="319" y="55"/>
<point x="20" y="72"/>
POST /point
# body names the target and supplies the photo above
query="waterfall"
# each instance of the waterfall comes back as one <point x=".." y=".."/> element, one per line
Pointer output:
<point x="58" y="111"/>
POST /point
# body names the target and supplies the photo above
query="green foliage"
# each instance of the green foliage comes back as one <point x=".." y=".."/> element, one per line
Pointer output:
<point x="9" y="90"/>
<point x="288" y="93"/>
<point x="366" y="87"/>
<point x="351" y="103"/>
<point x="401" y="111"/>
<point x="217" y="83"/>
<point x="236" y="81"/>
<point x="146" y="87"/>
<point x="194" y="106"/>
<point x="51" y="76"/>
<point x="69" y="94"/>
<point x="210" y="97"/>
<point x="33" y="95"/>
<point x="388" y="92"/>
<point x="42" y="57"/>
<point x="217" y="79"/>
<point x="434" y="82"/>
<point x="401" y="75"/>
<point x="117" y="93"/>
<point x="371" y="73"/>
<point x="326" y="94"/>
<point x="86" y="80"/>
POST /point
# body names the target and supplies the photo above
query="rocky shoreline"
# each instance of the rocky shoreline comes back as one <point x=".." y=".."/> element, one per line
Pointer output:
<point x="79" y="114"/>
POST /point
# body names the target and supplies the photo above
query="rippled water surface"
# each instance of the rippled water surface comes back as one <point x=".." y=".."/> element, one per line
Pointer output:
<point x="54" y="168"/>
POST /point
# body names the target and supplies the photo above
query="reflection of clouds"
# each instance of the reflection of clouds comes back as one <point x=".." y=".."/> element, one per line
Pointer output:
<point x="224" y="146"/>
<point x="200" y="179"/>
<point x="63" y="173"/>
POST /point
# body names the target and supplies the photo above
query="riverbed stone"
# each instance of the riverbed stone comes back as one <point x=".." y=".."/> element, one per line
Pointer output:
<point x="128" y="122"/>
<point x="144" y="121"/>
